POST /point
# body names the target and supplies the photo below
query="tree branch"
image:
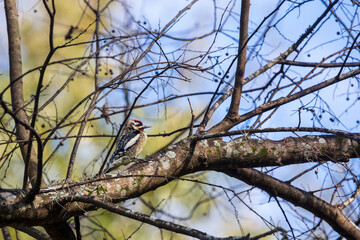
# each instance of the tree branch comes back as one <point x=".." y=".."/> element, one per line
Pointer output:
<point x="59" y="231"/>
<point x="281" y="101"/>
<point x="316" y="64"/>
<point x="240" y="69"/>
<point x="52" y="205"/>
<point x="93" y="100"/>
<point x="148" y="219"/>
<point x="274" y="187"/>
<point x="6" y="233"/>
<point x="33" y="232"/>
<point x="17" y="98"/>
<point x="227" y="124"/>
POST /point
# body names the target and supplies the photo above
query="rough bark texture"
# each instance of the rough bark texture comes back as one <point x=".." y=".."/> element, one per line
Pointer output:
<point x="16" y="89"/>
<point x="298" y="197"/>
<point x="60" y="230"/>
<point x="56" y="204"/>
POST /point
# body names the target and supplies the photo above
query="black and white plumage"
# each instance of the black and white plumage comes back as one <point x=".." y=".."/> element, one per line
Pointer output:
<point x="128" y="145"/>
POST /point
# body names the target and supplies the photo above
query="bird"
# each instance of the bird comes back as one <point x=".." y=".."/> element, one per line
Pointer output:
<point x="128" y="145"/>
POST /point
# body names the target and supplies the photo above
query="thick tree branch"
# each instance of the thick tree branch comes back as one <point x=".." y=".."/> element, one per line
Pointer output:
<point x="332" y="215"/>
<point x="59" y="231"/>
<point x="53" y="205"/>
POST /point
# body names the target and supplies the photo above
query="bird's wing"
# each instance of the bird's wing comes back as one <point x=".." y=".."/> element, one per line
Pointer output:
<point x="124" y="143"/>
<point x="121" y="146"/>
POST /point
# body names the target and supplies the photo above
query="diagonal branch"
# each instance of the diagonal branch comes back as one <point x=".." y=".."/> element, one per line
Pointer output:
<point x="293" y="47"/>
<point x="93" y="100"/>
<point x="33" y="232"/>
<point x="53" y="204"/>
<point x="274" y="187"/>
<point x="226" y="123"/>
<point x="281" y="101"/>
<point x="173" y="227"/>
<point x="212" y="107"/>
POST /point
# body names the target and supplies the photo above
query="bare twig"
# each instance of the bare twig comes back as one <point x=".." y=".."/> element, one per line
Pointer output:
<point x="150" y="220"/>
<point x="37" y="234"/>
<point x="192" y="118"/>
<point x="274" y="187"/>
<point x="94" y="98"/>
<point x="240" y="68"/>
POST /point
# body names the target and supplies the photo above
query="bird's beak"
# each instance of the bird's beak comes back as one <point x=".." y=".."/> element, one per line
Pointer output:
<point x="146" y="127"/>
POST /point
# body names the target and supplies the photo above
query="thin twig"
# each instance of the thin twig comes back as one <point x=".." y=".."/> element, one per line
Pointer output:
<point x="192" y="118"/>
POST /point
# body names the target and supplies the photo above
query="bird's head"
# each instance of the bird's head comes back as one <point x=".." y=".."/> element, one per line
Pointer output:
<point x="136" y="125"/>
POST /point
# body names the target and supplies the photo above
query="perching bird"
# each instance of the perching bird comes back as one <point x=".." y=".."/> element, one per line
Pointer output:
<point x="128" y="145"/>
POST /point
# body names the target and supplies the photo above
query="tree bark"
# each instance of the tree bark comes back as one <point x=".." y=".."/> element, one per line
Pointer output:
<point x="16" y="89"/>
<point x="240" y="69"/>
<point x="331" y="214"/>
<point x="59" y="230"/>
<point x="57" y="204"/>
